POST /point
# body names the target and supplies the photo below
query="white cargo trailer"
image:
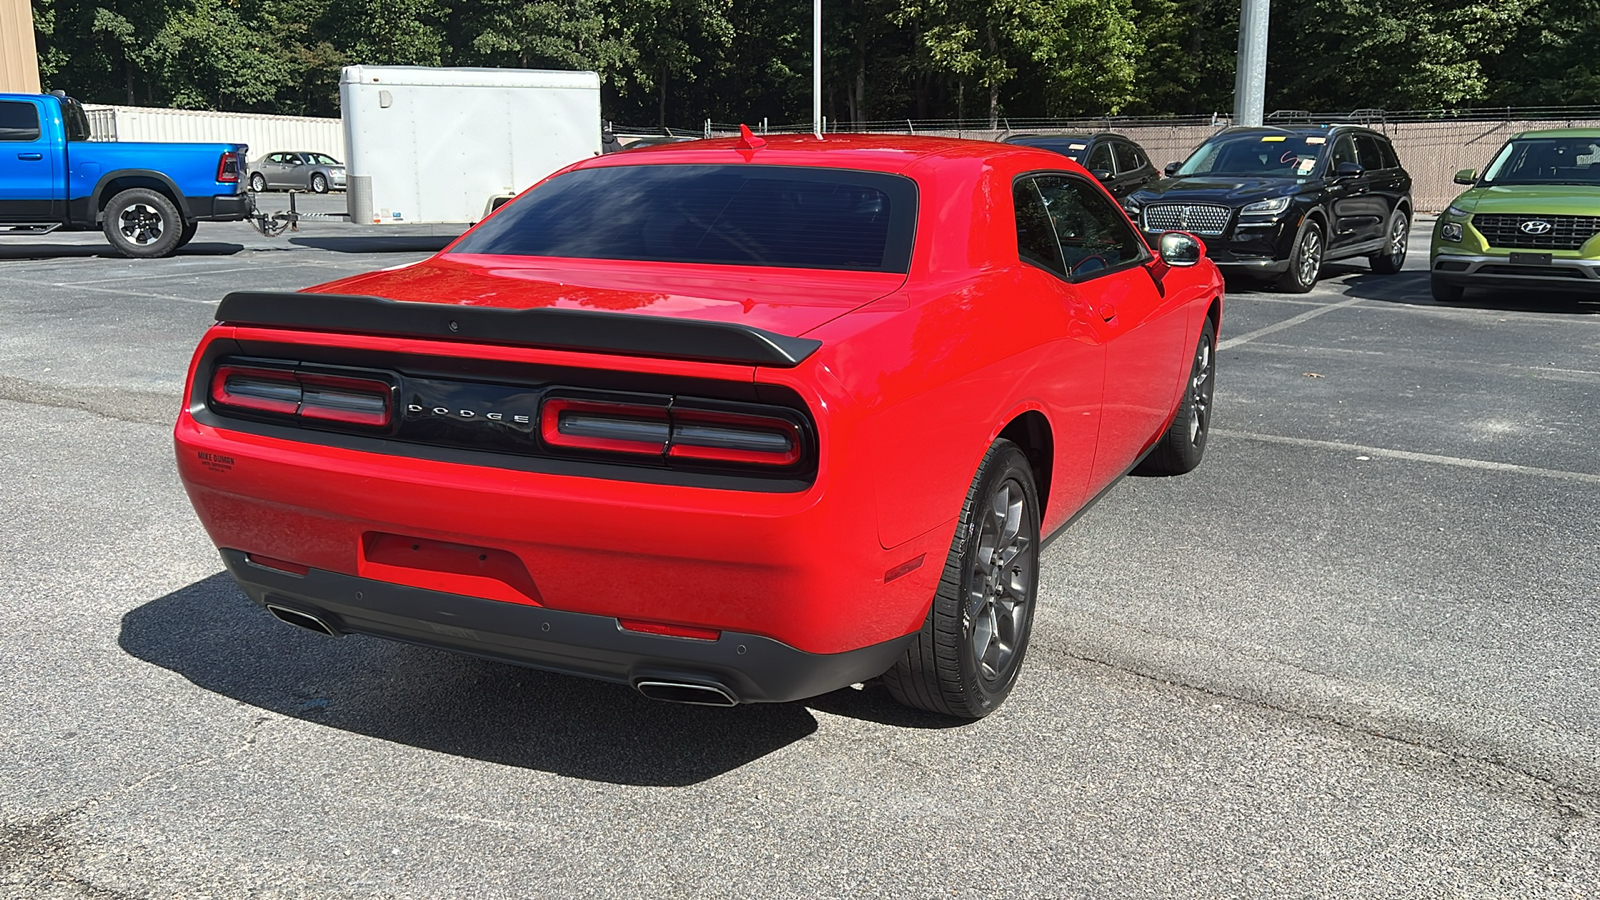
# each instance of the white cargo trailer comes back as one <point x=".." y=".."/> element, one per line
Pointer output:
<point x="447" y="146"/>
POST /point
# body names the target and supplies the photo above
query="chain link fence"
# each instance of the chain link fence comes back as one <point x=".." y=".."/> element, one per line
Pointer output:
<point x="1432" y="144"/>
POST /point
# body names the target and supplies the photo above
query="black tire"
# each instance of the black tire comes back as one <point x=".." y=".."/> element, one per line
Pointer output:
<point x="187" y="235"/>
<point x="1306" y="261"/>
<point x="1184" y="444"/>
<point x="258" y="182"/>
<point x="142" y="224"/>
<point x="1393" y="256"/>
<point x="1444" y="291"/>
<point x="319" y="183"/>
<point x="944" y="671"/>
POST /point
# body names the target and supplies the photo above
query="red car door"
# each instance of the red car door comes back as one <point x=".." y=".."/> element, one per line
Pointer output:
<point x="1144" y="332"/>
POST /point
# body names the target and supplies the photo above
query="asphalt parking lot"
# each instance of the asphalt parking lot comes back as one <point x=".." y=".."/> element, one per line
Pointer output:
<point x="1354" y="654"/>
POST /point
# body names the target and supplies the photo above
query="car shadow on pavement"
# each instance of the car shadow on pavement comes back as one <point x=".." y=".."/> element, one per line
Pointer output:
<point x="378" y="243"/>
<point x="11" y="251"/>
<point x="1412" y="288"/>
<point x="212" y="635"/>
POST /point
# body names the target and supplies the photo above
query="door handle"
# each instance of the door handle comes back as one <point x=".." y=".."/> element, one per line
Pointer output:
<point x="1108" y="313"/>
<point x="30" y="156"/>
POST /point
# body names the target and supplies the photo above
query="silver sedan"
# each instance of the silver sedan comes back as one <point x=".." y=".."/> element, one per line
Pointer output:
<point x="299" y="170"/>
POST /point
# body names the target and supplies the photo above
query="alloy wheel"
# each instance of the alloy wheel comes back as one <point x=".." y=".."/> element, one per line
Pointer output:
<point x="1399" y="239"/>
<point x="141" y="224"/>
<point x="1310" y="262"/>
<point x="1200" y="394"/>
<point x="995" y="616"/>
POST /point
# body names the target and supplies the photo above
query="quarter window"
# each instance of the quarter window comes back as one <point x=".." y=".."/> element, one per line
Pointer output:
<point x="19" y="121"/>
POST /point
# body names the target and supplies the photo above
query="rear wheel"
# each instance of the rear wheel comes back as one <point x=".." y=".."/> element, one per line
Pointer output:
<point x="1394" y="249"/>
<point x="1305" y="262"/>
<point x="142" y="224"/>
<point x="1444" y="291"/>
<point x="967" y="656"/>
<point x="319" y="183"/>
<point x="1184" y="444"/>
<point x="258" y="182"/>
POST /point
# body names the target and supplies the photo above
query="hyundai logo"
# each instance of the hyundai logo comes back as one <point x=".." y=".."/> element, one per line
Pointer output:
<point x="1535" y="226"/>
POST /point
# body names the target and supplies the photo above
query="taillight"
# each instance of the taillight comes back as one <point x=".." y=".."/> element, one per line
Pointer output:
<point x="345" y="400"/>
<point x="605" y="426"/>
<point x="716" y="436"/>
<point x="677" y="432"/>
<point x="228" y="167"/>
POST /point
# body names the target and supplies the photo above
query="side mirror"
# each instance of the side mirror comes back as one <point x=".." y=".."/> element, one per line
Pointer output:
<point x="1171" y="169"/>
<point x="1180" y="249"/>
<point x="1102" y="174"/>
<point x="1348" y="170"/>
<point x="1467" y="176"/>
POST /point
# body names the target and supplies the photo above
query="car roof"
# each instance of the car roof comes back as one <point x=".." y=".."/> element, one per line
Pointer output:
<point x="1308" y="130"/>
<point x="1561" y="132"/>
<point x="1080" y="136"/>
<point x="891" y="153"/>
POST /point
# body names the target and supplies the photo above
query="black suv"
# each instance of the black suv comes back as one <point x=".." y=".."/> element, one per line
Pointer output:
<point x="1119" y="163"/>
<point x="1279" y="202"/>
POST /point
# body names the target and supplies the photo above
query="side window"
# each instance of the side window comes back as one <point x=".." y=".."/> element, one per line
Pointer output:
<point x="1390" y="160"/>
<point x="1099" y="158"/>
<point x="1094" y="235"/>
<point x="292" y="159"/>
<point x="1128" y="159"/>
<point x="1036" y="240"/>
<point x="275" y="158"/>
<point x="1368" y="154"/>
<point x="19" y="121"/>
<point x="1343" y="151"/>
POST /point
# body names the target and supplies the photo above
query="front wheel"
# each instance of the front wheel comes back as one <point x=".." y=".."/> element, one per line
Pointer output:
<point x="1305" y="263"/>
<point x="142" y="224"/>
<point x="1184" y="443"/>
<point x="967" y="656"/>
<point x="1394" y="249"/>
<point x="319" y="183"/>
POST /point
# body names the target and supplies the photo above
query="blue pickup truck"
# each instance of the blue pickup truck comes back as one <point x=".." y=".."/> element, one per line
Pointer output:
<point x="147" y="198"/>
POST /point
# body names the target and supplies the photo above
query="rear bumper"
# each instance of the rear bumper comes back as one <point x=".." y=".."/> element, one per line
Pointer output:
<point x="1487" y="271"/>
<point x="750" y="668"/>
<point x="219" y="208"/>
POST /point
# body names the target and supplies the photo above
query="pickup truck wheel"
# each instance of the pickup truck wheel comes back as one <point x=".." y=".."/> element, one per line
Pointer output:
<point x="258" y="182"/>
<point x="187" y="235"/>
<point x="142" y="224"/>
<point x="1394" y="249"/>
<point x="319" y="183"/>
<point x="1184" y="444"/>
<point x="1305" y="262"/>
<point x="966" y="658"/>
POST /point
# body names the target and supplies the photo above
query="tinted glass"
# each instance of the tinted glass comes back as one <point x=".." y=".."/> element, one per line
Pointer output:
<point x="731" y="215"/>
<point x="76" y="119"/>
<point x="322" y="159"/>
<point x="1368" y="152"/>
<point x="1270" y="155"/>
<point x="1128" y="159"/>
<point x="1036" y="238"/>
<point x="1390" y="160"/>
<point x="1344" y="150"/>
<point x="1099" y="158"/>
<point x="1561" y="160"/>
<point x="19" y="121"/>
<point x="1094" y="235"/>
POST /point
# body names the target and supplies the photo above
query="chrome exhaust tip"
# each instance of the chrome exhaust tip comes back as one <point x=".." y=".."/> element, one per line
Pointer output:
<point x="301" y="619"/>
<point x="687" y="692"/>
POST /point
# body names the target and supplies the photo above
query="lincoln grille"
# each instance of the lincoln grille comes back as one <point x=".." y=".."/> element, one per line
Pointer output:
<point x="1212" y="220"/>
<point x="1564" y="233"/>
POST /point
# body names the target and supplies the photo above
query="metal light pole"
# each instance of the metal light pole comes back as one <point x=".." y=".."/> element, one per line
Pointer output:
<point x="816" y="67"/>
<point x="1250" y="73"/>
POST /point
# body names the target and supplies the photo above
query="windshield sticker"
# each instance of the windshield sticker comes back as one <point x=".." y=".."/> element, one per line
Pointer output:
<point x="1271" y="138"/>
<point x="1305" y="166"/>
<point x="1316" y="140"/>
<point x="1076" y="146"/>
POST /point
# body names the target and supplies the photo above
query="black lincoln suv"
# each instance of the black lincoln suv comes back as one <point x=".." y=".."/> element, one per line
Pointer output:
<point x="1279" y="202"/>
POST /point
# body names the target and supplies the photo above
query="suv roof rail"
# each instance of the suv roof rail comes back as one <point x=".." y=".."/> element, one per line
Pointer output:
<point x="1289" y="115"/>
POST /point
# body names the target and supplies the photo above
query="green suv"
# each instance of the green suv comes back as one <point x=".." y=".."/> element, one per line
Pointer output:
<point x="1531" y="220"/>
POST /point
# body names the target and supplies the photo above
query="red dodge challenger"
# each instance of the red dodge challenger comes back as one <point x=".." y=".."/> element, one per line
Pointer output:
<point x="730" y="421"/>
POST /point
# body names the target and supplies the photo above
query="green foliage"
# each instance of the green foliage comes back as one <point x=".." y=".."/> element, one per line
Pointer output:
<point x="682" y="61"/>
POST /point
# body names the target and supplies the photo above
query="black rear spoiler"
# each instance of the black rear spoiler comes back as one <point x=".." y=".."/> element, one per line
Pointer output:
<point x="558" y="329"/>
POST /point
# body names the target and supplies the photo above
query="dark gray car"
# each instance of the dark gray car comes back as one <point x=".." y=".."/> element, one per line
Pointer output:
<point x="299" y="171"/>
<point x="1120" y="164"/>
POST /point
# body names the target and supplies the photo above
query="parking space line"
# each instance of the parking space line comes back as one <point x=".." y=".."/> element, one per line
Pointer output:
<point x="1459" y="462"/>
<point x="1286" y="323"/>
<point x="188" y="273"/>
<point x="103" y="290"/>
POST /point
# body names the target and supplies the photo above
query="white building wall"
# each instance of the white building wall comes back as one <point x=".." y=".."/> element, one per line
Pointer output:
<point x="265" y="134"/>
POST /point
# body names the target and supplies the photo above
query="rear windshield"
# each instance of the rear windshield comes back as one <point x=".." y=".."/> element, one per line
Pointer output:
<point x="1565" y="160"/>
<point x="1269" y="155"/>
<point x="731" y="215"/>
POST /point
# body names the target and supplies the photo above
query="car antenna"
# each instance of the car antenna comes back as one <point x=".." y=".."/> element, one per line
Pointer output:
<point x="748" y="139"/>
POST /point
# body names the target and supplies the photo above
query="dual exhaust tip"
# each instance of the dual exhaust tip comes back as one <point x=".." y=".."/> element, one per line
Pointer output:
<point x="692" y="693"/>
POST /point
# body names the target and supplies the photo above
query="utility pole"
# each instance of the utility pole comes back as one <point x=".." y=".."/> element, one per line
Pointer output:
<point x="1250" y="73"/>
<point x="816" y="67"/>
